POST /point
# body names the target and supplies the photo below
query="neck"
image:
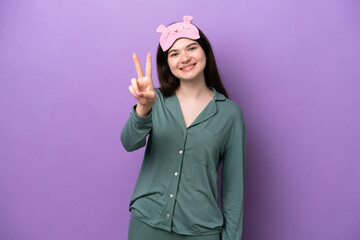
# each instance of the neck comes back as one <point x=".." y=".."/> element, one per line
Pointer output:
<point x="193" y="89"/>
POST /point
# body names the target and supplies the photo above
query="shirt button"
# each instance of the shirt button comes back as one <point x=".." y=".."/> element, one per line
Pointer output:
<point x="171" y="195"/>
<point x="176" y="173"/>
<point x="181" y="151"/>
<point x="168" y="215"/>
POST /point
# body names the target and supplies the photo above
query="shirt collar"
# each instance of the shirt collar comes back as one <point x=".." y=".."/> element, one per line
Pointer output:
<point x="217" y="95"/>
<point x="173" y="106"/>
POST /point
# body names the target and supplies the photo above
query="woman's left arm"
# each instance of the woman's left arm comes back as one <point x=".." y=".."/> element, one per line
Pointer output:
<point x="232" y="185"/>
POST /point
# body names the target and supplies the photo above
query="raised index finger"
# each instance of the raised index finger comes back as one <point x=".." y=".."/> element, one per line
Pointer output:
<point x="138" y="66"/>
<point x="148" y="65"/>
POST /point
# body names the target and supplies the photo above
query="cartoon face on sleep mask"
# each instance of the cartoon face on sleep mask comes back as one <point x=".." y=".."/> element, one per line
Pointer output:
<point x="177" y="30"/>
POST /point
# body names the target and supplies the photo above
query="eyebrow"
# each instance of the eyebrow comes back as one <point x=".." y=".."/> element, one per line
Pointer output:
<point x="185" y="47"/>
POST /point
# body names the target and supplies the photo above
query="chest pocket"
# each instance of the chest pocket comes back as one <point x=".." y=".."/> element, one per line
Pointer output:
<point x="204" y="148"/>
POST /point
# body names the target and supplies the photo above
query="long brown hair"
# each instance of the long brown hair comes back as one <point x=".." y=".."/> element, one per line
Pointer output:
<point x="169" y="83"/>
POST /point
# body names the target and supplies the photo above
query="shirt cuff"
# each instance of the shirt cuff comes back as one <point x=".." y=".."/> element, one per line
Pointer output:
<point x="140" y="120"/>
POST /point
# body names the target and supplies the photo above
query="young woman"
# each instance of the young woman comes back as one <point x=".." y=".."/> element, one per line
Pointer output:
<point x="192" y="127"/>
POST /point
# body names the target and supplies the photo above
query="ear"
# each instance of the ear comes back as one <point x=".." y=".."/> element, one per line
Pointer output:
<point x="161" y="29"/>
<point x="188" y="19"/>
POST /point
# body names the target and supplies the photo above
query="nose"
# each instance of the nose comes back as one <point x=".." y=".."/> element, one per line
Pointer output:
<point x="185" y="57"/>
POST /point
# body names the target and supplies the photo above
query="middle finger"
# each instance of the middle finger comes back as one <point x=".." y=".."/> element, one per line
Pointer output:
<point x="148" y="65"/>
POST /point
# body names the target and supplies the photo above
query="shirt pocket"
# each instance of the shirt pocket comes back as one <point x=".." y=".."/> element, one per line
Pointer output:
<point x="207" y="150"/>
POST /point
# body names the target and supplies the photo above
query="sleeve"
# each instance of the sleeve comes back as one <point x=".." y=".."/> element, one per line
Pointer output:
<point x="232" y="186"/>
<point x="133" y="135"/>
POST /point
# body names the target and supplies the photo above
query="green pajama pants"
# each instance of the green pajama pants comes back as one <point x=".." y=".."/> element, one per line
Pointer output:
<point x="141" y="231"/>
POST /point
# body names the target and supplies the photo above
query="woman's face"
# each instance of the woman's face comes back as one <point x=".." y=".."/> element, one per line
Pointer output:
<point x="186" y="59"/>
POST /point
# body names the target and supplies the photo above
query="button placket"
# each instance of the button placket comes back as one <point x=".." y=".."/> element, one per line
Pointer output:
<point x="176" y="174"/>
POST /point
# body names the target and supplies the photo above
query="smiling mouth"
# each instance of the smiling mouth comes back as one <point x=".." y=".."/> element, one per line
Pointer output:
<point x="188" y="67"/>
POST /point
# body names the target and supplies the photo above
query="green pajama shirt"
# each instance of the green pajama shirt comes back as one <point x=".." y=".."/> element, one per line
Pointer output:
<point x="176" y="189"/>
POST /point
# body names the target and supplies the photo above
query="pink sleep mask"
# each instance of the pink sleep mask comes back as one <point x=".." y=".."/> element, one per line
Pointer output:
<point x="177" y="30"/>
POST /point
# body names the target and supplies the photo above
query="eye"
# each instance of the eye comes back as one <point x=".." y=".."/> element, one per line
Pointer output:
<point x="192" y="48"/>
<point x="173" y="54"/>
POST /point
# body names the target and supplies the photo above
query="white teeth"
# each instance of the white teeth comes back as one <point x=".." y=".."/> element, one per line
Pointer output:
<point x="188" y="67"/>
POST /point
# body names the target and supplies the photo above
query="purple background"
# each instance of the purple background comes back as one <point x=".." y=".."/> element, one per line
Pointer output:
<point x="65" y="67"/>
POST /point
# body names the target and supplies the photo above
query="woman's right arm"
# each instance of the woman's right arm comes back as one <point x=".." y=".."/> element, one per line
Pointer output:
<point x="139" y="124"/>
<point x="133" y="135"/>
